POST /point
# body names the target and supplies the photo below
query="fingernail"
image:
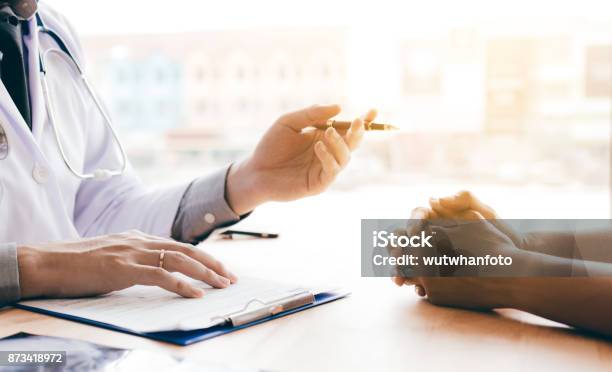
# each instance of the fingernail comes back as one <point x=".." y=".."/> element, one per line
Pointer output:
<point x="420" y="291"/>
<point x="320" y="146"/>
<point x="329" y="133"/>
<point x="226" y="282"/>
<point x="198" y="292"/>
<point x="233" y="277"/>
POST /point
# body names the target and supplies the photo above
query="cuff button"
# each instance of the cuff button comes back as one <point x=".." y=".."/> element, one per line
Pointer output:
<point x="209" y="218"/>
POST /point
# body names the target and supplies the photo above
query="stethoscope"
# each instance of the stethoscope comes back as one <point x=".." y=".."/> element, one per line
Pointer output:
<point x="64" y="53"/>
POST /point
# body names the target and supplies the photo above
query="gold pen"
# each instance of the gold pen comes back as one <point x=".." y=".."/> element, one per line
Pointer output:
<point x="345" y="125"/>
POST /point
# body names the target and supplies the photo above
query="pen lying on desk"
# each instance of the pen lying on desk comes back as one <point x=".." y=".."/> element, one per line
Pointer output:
<point x="345" y="125"/>
<point x="229" y="234"/>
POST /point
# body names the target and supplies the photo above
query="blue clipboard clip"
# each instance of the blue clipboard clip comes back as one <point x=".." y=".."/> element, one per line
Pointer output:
<point x="267" y="309"/>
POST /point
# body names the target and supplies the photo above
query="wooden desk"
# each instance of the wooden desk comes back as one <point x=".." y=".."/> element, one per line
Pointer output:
<point x="379" y="328"/>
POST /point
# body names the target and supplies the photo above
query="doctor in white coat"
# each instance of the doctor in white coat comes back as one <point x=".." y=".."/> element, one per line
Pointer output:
<point x="74" y="218"/>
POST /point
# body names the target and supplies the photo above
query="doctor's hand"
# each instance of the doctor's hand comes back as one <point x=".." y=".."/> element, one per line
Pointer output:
<point x="292" y="161"/>
<point x="108" y="263"/>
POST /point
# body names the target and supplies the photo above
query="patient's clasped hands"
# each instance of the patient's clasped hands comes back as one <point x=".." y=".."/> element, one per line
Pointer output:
<point x="484" y="236"/>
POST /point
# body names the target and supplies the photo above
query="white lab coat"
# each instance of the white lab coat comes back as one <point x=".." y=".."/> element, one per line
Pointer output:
<point x="40" y="199"/>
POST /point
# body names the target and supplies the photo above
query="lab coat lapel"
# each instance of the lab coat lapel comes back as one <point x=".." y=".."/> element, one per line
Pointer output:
<point x="37" y="102"/>
<point x="10" y="116"/>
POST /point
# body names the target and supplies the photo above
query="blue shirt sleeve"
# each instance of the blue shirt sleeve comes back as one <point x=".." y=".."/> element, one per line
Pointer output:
<point x="9" y="274"/>
<point x="204" y="208"/>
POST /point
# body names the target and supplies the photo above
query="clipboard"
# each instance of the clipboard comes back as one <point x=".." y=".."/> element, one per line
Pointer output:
<point x="227" y="324"/>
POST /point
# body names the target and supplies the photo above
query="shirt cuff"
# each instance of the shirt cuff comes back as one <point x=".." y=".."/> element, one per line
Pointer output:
<point x="204" y="208"/>
<point x="9" y="274"/>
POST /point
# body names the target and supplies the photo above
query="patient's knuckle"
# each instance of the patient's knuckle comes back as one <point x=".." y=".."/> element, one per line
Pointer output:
<point x="471" y="215"/>
<point x="466" y="194"/>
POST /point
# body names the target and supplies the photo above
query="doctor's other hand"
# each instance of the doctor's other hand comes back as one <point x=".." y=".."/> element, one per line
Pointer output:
<point x="113" y="262"/>
<point x="292" y="161"/>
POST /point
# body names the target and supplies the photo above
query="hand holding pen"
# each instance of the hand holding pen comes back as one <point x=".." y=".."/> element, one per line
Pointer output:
<point x="338" y="125"/>
<point x="290" y="162"/>
<point x="345" y="125"/>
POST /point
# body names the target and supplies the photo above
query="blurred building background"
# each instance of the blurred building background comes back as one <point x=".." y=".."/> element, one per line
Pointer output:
<point x="475" y="104"/>
<point x="209" y="96"/>
<point x="508" y="99"/>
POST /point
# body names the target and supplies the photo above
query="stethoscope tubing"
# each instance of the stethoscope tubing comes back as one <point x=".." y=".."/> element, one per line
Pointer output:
<point x="64" y="53"/>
